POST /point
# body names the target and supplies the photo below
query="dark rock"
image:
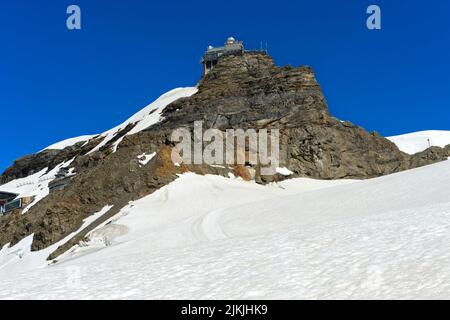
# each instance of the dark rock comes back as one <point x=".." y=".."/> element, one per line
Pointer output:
<point x="31" y="164"/>
<point x="28" y="165"/>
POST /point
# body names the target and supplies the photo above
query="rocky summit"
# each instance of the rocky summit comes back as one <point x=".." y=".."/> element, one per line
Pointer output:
<point x="242" y="91"/>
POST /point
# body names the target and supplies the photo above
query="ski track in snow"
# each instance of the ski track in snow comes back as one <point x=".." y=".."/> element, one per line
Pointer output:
<point x="208" y="237"/>
<point x="353" y="260"/>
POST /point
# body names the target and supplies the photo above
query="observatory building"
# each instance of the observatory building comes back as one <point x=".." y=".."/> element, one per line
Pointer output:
<point x="212" y="55"/>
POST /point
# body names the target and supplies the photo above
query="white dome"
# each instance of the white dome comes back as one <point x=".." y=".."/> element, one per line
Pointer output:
<point x="231" y="40"/>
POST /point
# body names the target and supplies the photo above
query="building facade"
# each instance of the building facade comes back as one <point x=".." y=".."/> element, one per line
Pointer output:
<point x="212" y="54"/>
<point x="8" y="202"/>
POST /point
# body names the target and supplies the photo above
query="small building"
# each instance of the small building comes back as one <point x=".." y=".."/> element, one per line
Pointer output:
<point x="8" y="202"/>
<point x="6" y="197"/>
<point x="62" y="178"/>
<point x="212" y="54"/>
<point x="11" y="201"/>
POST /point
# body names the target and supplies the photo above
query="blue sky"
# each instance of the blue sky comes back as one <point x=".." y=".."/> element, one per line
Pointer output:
<point x="56" y="83"/>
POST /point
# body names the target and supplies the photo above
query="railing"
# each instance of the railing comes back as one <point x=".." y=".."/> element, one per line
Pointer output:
<point x="27" y="183"/>
<point x="59" y="184"/>
<point x="256" y="51"/>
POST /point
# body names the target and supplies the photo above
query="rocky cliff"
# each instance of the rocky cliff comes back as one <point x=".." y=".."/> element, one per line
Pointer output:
<point x="247" y="91"/>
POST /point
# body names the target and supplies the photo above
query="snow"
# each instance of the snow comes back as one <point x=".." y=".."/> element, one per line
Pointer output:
<point x="209" y="237"/>
<point x="143" y="119"/>
<point x="284" y="171"/>
<point x="415" y="142"/>
<point x="21" y="257"/>
<point x="145" y="158"/>
<point x="146" y="117"/>
<point x="35" y="185"/>
<point x="69" y="142"/>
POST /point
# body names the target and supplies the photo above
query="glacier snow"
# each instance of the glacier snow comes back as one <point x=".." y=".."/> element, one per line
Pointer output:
<point x="209" y="237"/>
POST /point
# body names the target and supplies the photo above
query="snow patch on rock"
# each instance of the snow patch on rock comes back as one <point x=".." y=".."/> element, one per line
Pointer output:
<point x="284" y="171"/>
<point x="145" y="158"/>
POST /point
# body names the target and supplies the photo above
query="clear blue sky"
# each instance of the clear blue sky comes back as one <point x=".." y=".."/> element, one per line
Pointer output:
<point x="56" y="83"/>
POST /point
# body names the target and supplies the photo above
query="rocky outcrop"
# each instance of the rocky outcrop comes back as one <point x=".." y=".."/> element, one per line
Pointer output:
<point x="431" y="155"/>
<point x="250" y="91"/>
<point x="247" y="91"/>
<point x="28" y="165"/>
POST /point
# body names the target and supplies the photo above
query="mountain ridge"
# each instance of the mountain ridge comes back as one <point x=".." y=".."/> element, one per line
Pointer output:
<point x="247" y="91"/>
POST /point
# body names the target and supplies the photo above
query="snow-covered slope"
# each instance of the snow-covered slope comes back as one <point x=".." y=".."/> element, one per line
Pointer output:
<point x="412" y="143"/>
<point x="69" y="142"/>
<point x="212" y="237"/>
<point x="143" y="119"/>
<point x="147" y="116"/>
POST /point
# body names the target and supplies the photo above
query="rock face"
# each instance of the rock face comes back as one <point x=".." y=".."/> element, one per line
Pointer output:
<point x="247" y="91"/>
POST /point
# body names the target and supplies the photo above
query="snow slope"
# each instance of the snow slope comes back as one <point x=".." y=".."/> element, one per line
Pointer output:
<point x="69" y="142"/>
<point x="146" y="117"/>
<point x="415" y="142"/>
<point x="143" y="119"/>
<point x="30" y="261"/>
<point x="212" y="237"/>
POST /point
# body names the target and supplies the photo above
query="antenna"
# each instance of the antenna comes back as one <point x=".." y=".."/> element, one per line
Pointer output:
<point x="266" y="48"/>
